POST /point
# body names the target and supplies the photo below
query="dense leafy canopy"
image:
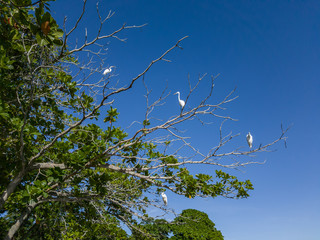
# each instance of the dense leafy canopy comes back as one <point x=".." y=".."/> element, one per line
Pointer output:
<point x="190" y="224"/>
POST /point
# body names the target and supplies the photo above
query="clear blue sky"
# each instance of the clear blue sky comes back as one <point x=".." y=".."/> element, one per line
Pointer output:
<point x="269" y="50"/>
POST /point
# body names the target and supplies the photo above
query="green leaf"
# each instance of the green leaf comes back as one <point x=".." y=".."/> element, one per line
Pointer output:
<point x="58" y="33"/>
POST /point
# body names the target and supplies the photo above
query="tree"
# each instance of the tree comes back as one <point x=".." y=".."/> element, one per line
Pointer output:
<point x="152" y="229"/>
<point x="63" y="172"/>
<point x="193" y="224"/>
<point x="190" y="224"/>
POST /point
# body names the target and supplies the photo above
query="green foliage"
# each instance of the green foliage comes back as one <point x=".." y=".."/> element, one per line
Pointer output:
<point x="203" y="184"/>
<point x="83" y="222"/>
<point x="112" y="115"/>
<point x="191" y="224"/>
<point x="146" y="123"/>
<point x="152" y="229"/>
<point x="84" y="178"/>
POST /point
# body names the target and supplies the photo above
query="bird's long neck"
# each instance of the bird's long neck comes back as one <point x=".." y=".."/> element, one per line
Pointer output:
<point x="178" y="96"/>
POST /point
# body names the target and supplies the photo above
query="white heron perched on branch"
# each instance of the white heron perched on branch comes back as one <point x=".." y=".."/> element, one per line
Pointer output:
<point x="164" y="198"/>
<point x="249" y="139"/>
<point x="108" y="70"/>
<point x="181" y="102"/>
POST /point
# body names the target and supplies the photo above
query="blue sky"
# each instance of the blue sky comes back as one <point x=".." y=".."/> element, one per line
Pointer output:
<point x="270" y="51"/>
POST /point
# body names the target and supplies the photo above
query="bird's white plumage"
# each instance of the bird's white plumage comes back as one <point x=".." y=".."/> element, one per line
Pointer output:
<point x="249" y="139"/>
<point x="181" y="102"/>
<point x="108" y="70"/>
<point x="164" y="198"/>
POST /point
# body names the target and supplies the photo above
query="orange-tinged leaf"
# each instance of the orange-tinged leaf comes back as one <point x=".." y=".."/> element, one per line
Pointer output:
<point x="45" y="27"/>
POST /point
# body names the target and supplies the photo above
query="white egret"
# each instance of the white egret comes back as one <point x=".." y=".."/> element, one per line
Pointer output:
<point x="164" y="198"/>
<point x="249" y="139"/>
<point x="181" y="102"/>
<point x="108" y="70"/>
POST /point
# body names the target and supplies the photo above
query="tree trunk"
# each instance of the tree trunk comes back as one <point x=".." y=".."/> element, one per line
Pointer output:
<point x="10" y="189"/>
<point x="15" y="227"/>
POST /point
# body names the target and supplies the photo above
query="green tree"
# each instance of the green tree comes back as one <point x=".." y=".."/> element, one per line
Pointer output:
<point x="193" y="224"/>
<point x="152" y="229"/>
<point x="65" y="174"/>
<point x="190" y="224"/>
